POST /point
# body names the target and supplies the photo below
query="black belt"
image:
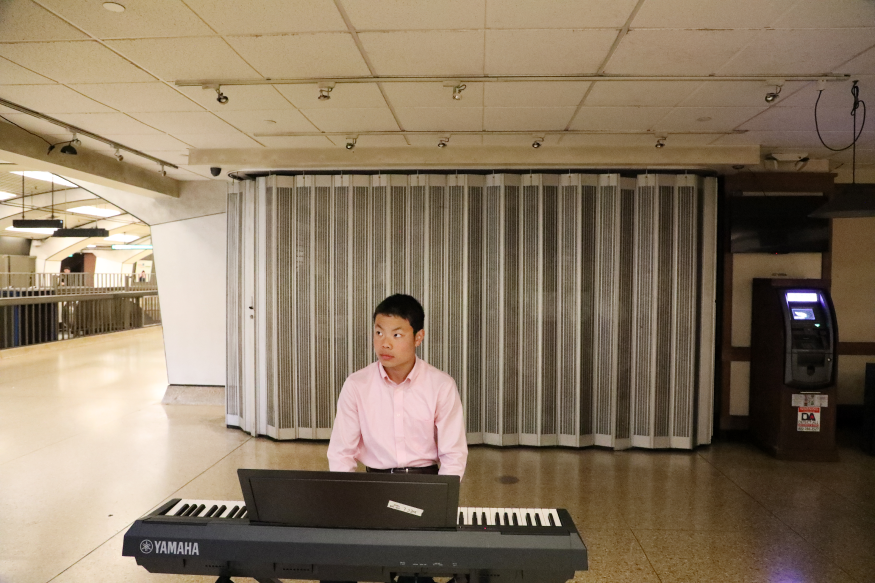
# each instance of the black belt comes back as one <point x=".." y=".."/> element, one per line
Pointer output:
<point x="433" y="469"/>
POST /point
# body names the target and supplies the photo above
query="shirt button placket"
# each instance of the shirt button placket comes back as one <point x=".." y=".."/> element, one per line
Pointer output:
<point x="400" y="449"/>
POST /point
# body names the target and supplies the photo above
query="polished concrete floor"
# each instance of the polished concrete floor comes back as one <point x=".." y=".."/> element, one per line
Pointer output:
<point x="86" y="448"/>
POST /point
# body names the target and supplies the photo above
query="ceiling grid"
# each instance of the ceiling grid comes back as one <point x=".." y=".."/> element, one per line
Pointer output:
<point x="116" y="74"/>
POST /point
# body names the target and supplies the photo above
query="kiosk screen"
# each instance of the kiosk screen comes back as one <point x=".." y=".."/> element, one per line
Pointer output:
<point x="803" y="313"/>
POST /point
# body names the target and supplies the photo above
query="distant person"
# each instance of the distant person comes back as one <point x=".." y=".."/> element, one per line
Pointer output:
<point x="142" y="276"/>
<point x="63" y="279"/>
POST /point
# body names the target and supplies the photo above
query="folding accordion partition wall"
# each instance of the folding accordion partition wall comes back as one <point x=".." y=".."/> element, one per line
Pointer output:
<point x="571" y="309"/>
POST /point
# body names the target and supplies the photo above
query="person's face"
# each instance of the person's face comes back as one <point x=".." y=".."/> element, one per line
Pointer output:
<point x="66" y="270"/>
<point x="394" y="341"/>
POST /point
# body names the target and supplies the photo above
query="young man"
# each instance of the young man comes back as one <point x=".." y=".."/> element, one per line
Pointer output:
<point x="399" y="414"/>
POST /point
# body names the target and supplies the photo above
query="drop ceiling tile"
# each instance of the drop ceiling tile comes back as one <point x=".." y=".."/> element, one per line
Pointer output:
<point x="836" y="95"/>
<point x="648" y="94"/>
<point x="676" y="52"/>
<point x="141" y="19"/>
<point x="546" y="52"/>
<point x="51" y="99"/>
<point x="36" y="125"/>
<point x="803" y="52"/>
<point x="443" y="119"/>
<point x="297" y="142"/>
<point x="240" y="98"/>
<point x="137" y="97"/>
<point x="863" y="64"/>
<point x="269" y="16"/>
<point x="455" y="140"/>
<point x="720" y="119"/>
<point x="225" y="140"/>
<point x="149" y="142"/>
<point x="343" y="95"/>
<point x="433" y="95"/>
<point x="195" y="122"/>
<point x="74" y="62"/>
<point x="352" y="120"/>
<point x="259" y="121"/>
<point x="536" y="119"/>
<point x="174" y="59"/>
<point x="12" y="74"/>
<point x="618" y="118"/>
<point x="107" y="123"/>
<point x="450" y="53"/>
<point x="558" y="13"/>
<point x="736" y="93"/>
<point x="710" y="13"/>
<point x="778" y="139"/>
<point x="415" y="15"/>
<point x="380" y="142"/>
<point x="801" y="119"/>
<point x="828" y="14"/>
<point x="329" y="54"/>
<point x="531" y="94"/>
<point x="24" y="20"/>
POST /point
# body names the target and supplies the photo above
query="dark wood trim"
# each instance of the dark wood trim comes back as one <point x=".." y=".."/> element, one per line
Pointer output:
<point x="857" y="348"/>
<point x="780" y="182"/>
<point x="736" y="354"/>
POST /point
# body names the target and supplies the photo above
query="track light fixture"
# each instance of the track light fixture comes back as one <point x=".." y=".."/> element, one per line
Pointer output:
<point x="221" y="97"/>
<point x="162" y="172"/>
<point x="324" y="93"/>
<point x="118" y="155"/>
<point x="539" y="141"/>
<point x="660" y="143"/>
<point x="457" y="91"/>
<point x="442" y="143"/>
<point x="350" y="143"/>
<point x="773" y="95"/>
<point x="69" y="149"/>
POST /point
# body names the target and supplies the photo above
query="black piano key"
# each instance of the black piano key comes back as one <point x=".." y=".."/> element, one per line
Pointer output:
<point x="233" y="512"/>
<point x="221" y="510"/>
<point x="181" y="510"/>
<point x="200" y="510"/>
<point x="516" y="521"/>
<point x="244" y="515"/>
<point x="211" y="511"/>
<point x="483" y="518"/>
<point x="461" y="518"/>
<point x="242" y="512"/>
<point x="528" y="519"/>
<point x="552" y="522"/>
<point x="538" y="520"/>
<point x="497" y="518"/>
<point x="473" y="519"/>
<point x="506" y="519"/>
<point x="191" y="509"/>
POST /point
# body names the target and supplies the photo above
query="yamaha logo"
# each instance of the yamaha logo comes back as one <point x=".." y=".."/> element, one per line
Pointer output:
<point x="169" y="547"/>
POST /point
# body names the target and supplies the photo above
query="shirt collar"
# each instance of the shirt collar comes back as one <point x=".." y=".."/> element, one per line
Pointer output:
<point x="418" y="365"/>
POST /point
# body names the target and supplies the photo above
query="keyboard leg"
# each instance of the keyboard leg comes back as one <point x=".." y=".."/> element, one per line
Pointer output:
<point x="224" y="579"/>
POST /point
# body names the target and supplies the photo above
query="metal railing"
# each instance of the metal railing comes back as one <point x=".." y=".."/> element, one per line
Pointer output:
<point x="45" y="307"/>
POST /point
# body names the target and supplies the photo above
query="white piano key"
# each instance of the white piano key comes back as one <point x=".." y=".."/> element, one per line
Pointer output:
<point x="555" y="516"/>
<point x="490" y="516"/>
<point x="478" y="515"/>
<point x="544" y="514"/>
<point x="468" y="512"/>
<point x="517" y="519"/>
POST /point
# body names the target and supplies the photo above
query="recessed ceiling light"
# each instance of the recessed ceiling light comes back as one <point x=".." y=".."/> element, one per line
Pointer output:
<point x="47" y="176"/>
<point x="705" y="118"/>
<point x="122" y="237"/>
<point x="36" y="230"/>
<point x="5" y="195"/>
<point x="113" y="6"/>
<point x="94" y="211"/>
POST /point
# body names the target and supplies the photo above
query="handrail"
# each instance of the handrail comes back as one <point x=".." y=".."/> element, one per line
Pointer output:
<point x="74" y="297"/>
<point x="66" y="283"/>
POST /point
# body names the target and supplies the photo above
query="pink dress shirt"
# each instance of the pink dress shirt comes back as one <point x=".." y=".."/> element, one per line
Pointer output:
<point x="386" y="425"/>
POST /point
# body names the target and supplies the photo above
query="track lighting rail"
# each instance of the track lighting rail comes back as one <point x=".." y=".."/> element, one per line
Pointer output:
<point x="500" y="79"/>
<point x="77" y="130"/>
<point x="444" y="133"/>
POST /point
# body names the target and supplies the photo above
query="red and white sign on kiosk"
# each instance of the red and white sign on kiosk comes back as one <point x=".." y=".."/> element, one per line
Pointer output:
<point x="808" y="419"/>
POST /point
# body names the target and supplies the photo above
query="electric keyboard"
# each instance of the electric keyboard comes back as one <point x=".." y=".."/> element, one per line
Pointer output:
<point x="489" y="545"/>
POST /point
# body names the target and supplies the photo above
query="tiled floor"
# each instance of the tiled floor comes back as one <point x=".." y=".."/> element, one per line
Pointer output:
<point x="86" y="448"/>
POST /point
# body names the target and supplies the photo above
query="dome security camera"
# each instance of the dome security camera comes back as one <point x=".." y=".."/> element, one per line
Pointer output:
<point x="215" y="170"/>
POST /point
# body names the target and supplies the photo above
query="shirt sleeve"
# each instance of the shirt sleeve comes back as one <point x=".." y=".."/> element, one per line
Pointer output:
<point x="452" y="444"/>
<point x="346" y="435"/>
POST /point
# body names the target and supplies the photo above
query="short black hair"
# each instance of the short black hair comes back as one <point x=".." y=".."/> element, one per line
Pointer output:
<point x="403" y="306"/>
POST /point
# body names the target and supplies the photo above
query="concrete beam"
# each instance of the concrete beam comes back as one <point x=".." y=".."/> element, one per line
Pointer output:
<point x="25" y="150"/>
<point x="468" y="157"/>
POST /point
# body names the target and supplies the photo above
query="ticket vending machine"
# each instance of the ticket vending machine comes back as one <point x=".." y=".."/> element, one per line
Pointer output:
<point x="793" y="369"/>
